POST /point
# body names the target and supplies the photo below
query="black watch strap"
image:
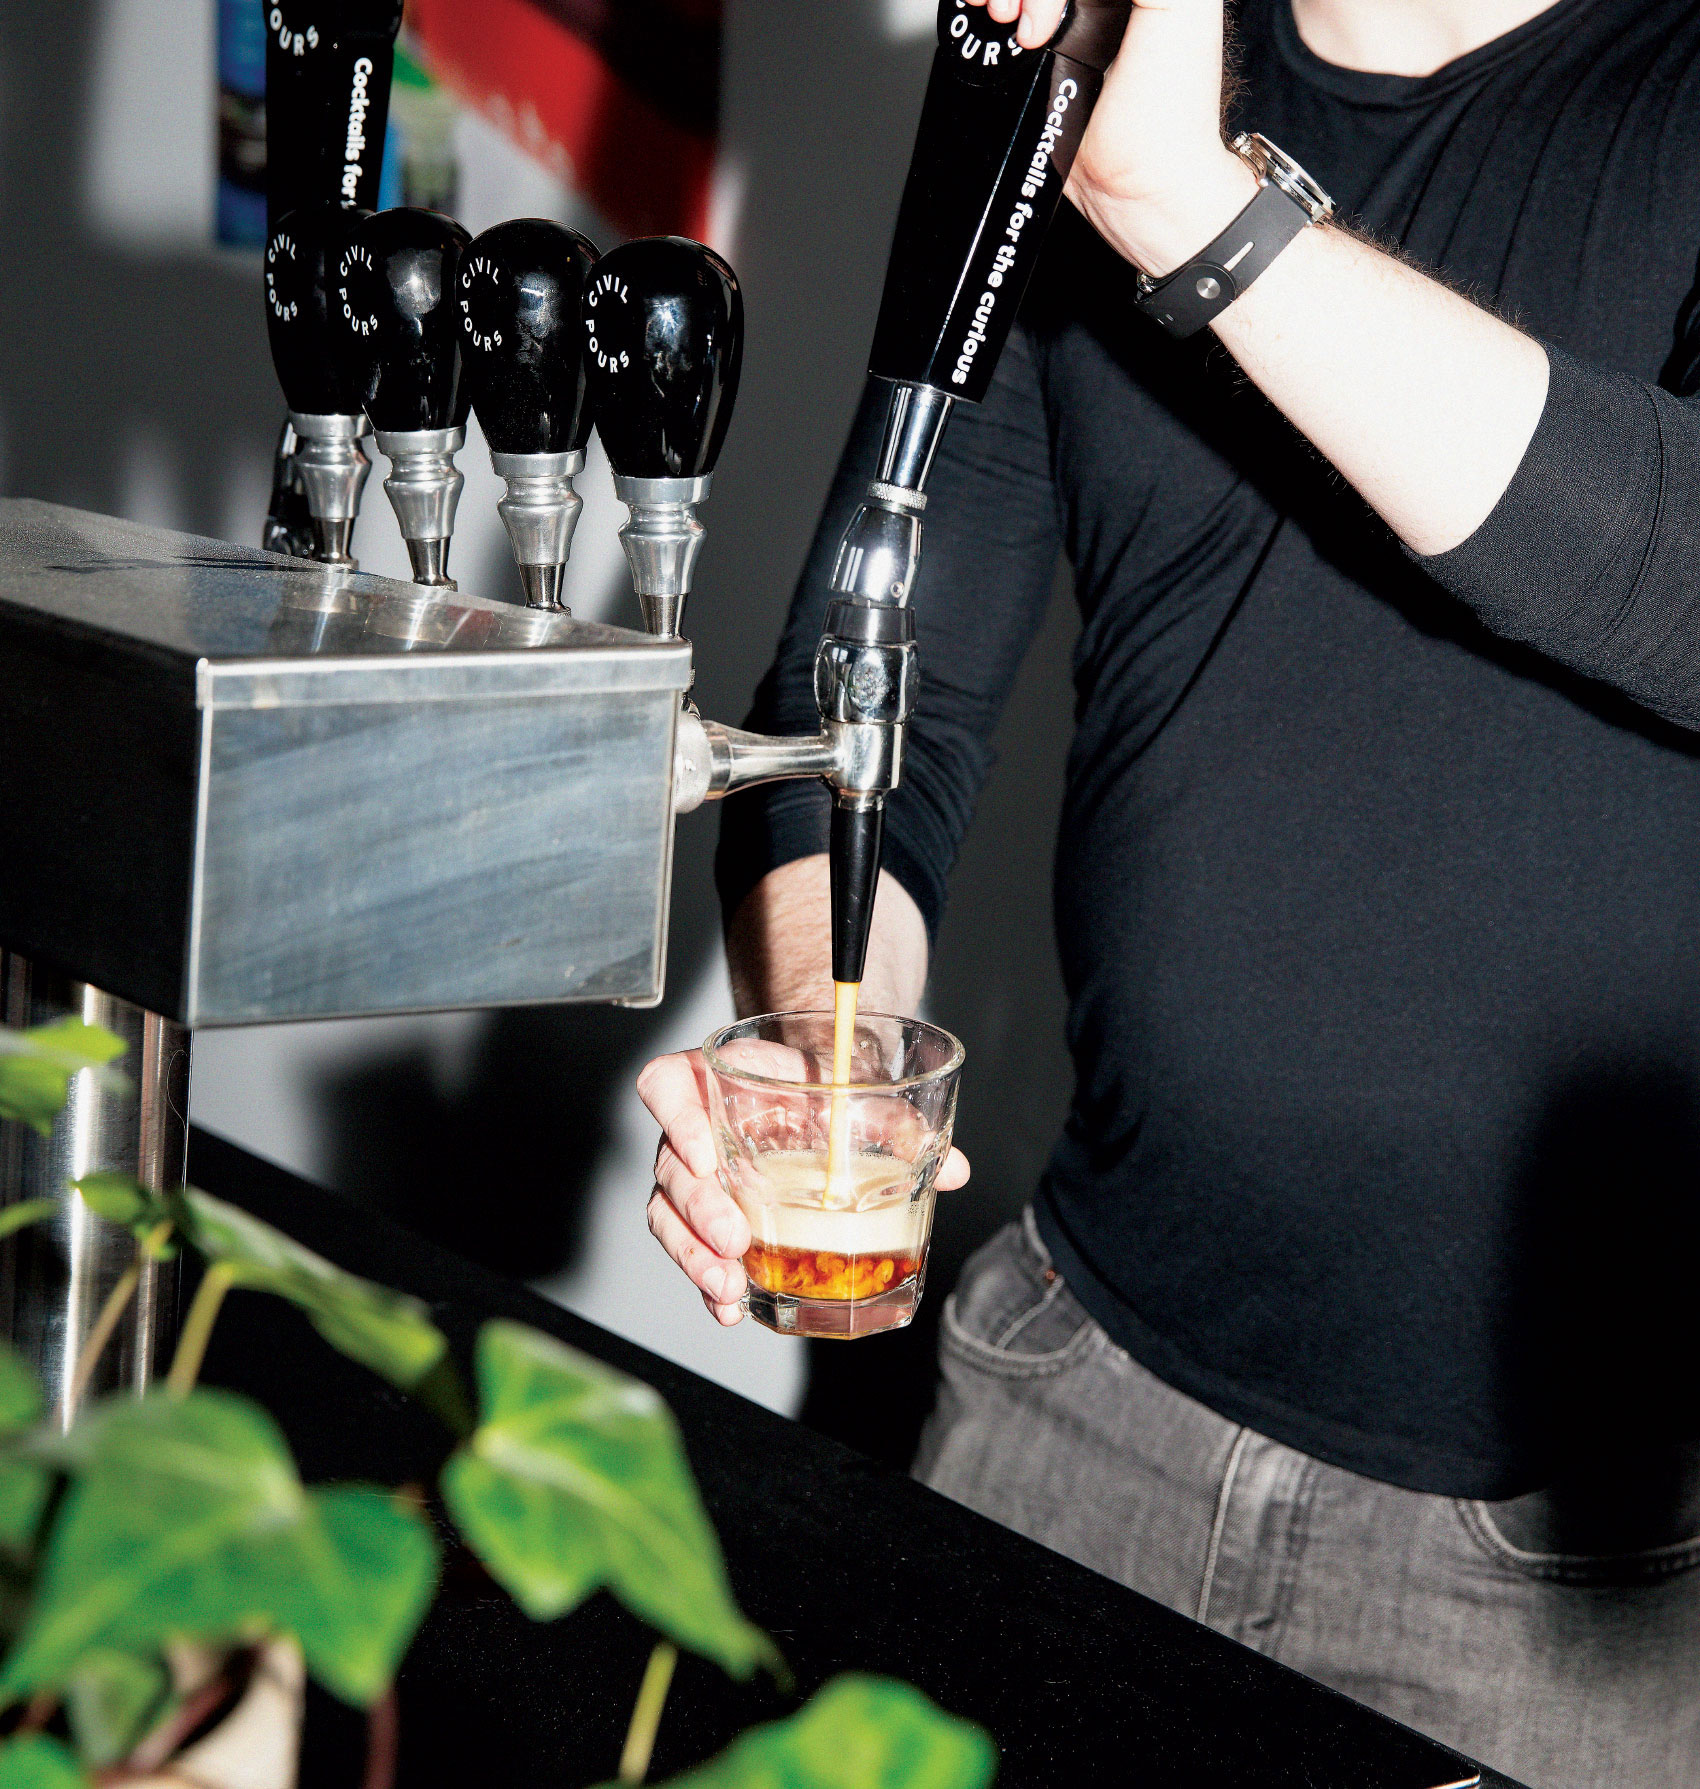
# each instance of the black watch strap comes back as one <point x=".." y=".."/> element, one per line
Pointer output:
<point x="1187" y="299"/>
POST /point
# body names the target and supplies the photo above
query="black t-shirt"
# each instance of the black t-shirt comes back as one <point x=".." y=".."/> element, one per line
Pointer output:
<point x="1378" y="886"/>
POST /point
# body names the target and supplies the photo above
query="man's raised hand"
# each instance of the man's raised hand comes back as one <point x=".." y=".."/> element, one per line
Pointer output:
<point x="1153" y="175"/>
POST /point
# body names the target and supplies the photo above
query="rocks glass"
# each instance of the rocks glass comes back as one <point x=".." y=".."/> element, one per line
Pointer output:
<point x="836" y="1181"/>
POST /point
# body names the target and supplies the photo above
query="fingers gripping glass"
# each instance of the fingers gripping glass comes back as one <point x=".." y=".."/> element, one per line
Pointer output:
<point x="839" y="1235"/>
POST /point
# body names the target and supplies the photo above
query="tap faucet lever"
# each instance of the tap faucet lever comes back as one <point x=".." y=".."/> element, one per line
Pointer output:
<point x="325" y="416"/>
<point x="327" y="99"/>
<point x="400" y="342"/>
<point x="328" y="72"/>
<point x="999" y="129"/>
<point x="664" y="340"/>
<point x="518" y="298"/>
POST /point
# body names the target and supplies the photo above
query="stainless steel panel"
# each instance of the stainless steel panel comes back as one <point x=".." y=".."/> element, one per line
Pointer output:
<point x="242" y="787"/>
<point x="364" y="859"/>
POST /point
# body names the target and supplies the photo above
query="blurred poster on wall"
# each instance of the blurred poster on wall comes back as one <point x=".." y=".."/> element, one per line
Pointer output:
<point x="421" y="166"/>
<point x="620" y="98"/>
<point x="240" y="214"/>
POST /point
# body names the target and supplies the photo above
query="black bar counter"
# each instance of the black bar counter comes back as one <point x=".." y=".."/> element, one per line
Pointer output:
<point x="849" y="1565"/>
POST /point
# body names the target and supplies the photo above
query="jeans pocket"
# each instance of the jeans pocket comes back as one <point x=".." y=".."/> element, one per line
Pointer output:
<point x="1624" y="1568"/>
<point x="1012" y="1313"/>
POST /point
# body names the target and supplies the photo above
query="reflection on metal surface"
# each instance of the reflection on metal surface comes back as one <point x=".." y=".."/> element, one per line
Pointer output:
<point x="540" y="512"/>
<point x="662" y="539"/>
<point x="426" y="621"/>
<point x="55" y="1277"/>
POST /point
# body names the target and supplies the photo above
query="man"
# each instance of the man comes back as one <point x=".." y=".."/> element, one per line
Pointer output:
<point x="1354" y="1312"/>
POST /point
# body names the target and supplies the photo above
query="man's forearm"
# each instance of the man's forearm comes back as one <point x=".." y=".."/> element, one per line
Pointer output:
<point x="1423" y="401"/>
<point x="779" y="945"/>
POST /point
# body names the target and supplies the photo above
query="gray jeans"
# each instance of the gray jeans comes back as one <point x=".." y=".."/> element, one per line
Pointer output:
<point x="1556" y="1642"/>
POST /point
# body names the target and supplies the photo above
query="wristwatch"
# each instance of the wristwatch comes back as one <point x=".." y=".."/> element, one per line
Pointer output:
<point x="1287" y="200"/>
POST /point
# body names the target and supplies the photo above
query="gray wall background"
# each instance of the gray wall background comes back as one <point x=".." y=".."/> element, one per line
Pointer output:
<point x="134" y="380"/>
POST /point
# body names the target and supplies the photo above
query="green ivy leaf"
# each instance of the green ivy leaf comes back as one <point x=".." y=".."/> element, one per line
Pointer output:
<point x="112" y="1699"/>
<point x="69" y="1044"/>
<point x="188" y="1521"/>
<point x="122" y="1199"/>
<point x="20" y="1395"/>
<point x="24" y="1213"/>
<point x="575" y="1479"/>
<point x="383" y="1330"/>
<point x="36" y="1762"/>
<point x="857" y="1733"/>
<point x="36" y="1067"/>
<point x="24" y="1484"/>
<point x="355" y="1587"/>
<point x="24" y="1490"/>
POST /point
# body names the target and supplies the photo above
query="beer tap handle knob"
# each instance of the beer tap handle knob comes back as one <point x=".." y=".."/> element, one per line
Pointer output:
<point x="663" y="343"/>
<point x="399" y="336"/>
<point x="325" y="417"/>
<point x="518" y="297"/>
<point x="400" y="340"/>
<point x="302" y="252"/>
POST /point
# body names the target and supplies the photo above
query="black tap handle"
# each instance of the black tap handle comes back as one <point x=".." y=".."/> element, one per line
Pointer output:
<point x="397" y="321"/>
<point x="664" y="344"/>
<point x="327" y="100"/>
<point x="302" y="253"/>
<point x="517" y="299"/>
<point x="998" y="134"/>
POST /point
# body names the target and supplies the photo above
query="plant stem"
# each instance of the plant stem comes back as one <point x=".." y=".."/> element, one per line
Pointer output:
<point x="42" y="1707"/>
<point x="116" y="1302"/>
<point x="198" y="1328"/>
<point x="155" y="1237"/>
<point x="163" y="1743"/>
<point x="646" y="1713"/>
<point x="383" y="1735"/>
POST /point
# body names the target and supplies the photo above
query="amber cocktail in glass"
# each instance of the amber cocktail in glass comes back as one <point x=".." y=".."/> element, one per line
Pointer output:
<point x="836" y="1179"/>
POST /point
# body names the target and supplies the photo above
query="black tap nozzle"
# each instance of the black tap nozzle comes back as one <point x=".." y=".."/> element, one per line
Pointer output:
<point x="518" y="299"/>
<point x="858" y="828"/>
<point x="664" y="344"/>
<point x="999" y="129"/>
<point x="303" y="250"/>
<point x="400" y="337"/>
